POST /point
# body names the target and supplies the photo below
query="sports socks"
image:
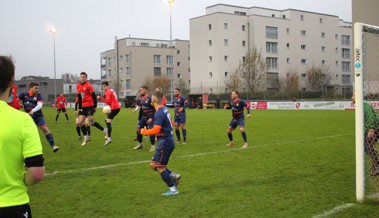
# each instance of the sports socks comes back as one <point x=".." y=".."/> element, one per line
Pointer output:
<point x="177" y="131"/>
<point x="165" y="175"/>
<point x="109" y="127"/>
<point x="244" y="136"/>
<point x="50" y="139"/>
<point x="78" y="130"/>
<point x="97" y="125"/>
<point x="230" y="136"/>
<point x="184" y="132"/>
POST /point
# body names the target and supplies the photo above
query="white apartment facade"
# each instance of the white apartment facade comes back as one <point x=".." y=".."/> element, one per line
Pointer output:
<point x="289" y="40"/>
<point x="134" y="60"/>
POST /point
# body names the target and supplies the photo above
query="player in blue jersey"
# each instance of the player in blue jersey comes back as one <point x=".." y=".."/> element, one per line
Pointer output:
<point x="237" y="105"/>
<point x="148" y="110"/>
<point x="32" y="102"/>
<point x="163" y="129"/>
<point x="180" y="105"/>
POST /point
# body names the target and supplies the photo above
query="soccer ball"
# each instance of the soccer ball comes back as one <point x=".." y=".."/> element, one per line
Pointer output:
<point x="106" y="109"/>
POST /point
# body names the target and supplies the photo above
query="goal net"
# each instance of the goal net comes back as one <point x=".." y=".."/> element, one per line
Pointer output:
<point x="366" y="59"/>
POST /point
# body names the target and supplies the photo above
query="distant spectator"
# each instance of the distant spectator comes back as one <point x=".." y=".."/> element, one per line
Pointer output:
<point x="294" y="99"/>
<point x="218" y="102"/>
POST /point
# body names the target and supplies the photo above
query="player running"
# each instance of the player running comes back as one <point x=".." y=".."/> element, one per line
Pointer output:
<point x="165" y="146"/>
<point x="237" y="105"/>
<point x="32" y="102"/>
<point x="14" y="100"/>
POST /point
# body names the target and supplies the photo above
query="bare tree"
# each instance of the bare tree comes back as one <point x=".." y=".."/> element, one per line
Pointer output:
<point x="182" y="85"/>
<point x="292" y="81"/>
<point x="253" y="70"/>
<point x="162" y="82"/>
<point x="234" y="81"/>
<point x="318" y="78"/>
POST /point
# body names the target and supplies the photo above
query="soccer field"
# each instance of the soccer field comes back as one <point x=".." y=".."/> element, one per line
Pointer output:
<point x="298" y="164"/>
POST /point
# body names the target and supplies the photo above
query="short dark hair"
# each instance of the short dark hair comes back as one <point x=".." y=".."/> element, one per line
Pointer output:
<point x="32" y="84"/>
<point x="105" y="83"/>
<point x="84" y="73"/>
<point x="237" y="92"/>
<point x="177" y="89"/>
<point x="144" y="87"/>
<point x="7" y="69"/>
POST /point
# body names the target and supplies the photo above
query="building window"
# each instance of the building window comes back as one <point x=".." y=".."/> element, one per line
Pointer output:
<point x="321" y="21"/>
<point x="179" y="75"/>
<point x="288" y="60"/>
<point x="271" y="47"/>
<point x="288" y="31"/>
<point x="170" y="71"/>
<point x="226" y="42"/>
<point x="272" y="63"/>
<point x="178" y="52"/>
<point x="345" y="40"/>
<point x="336" y="36"/>
<point x="303" y="33"/>
<point x="323" y="62"/>
<point x="226" y="58"/>
<point x="284" y="16"/>
<point x="303" y="47"/>
<point x="288" y="45"/>
<point x="323" y="35"/>
<point x="210" y="75"/>
<point x="226" y="74"/>
<point x="345" y="79"/>
<point x="346" y="66"/>
<point x="209" y="26"/>
<point x="337" y="63"/>
<point x="303" y="75"/>
<point x="336" y="50"/>
<point x="178" y="64"/>
<point x="304" y="61"/>
<point x="225" y="26"/>
<point x="302" y="17"/>
<point x="210" y="42"/>
<point x="157" y="59"/>
<point x="337" y="78"/>
<point x="127" y="84"/>
<point x="210" y="58"/>
<point x="169" y="59"/>
<point x="144" y="44"/>
<point x="271" y="32"/>
<point x="243" y="27"/>
<point x="323" y="48"/>
<point x="127" y="59"/>
<point x="157" y="71"/>
<point x="127" y="71"/>
<point x="243" y="43"/>
<point x="345" y="53"/>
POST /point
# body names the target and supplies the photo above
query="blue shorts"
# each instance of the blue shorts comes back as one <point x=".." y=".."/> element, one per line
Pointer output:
<point x="143" y="122"/>
<point x="234" y="123"/>
<point x="163" y="152"/>
<point x="39" y="120"/>
<point x="180" y="119"/>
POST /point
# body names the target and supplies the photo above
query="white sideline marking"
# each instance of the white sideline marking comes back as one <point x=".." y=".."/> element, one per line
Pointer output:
<point x="334" y="210"/>
<point x="189" y="155"/>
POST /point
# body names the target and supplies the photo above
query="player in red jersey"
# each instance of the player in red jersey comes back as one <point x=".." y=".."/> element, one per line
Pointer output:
<point x="164" y="99"/>
<point x="87" y="104"/>
<point x="13" y="99"/>
<point x="110" y="98"/>
<point x="61" y="104"/>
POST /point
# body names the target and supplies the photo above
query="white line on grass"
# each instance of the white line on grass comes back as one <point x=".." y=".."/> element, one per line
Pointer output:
<point x="334" y="210"/>
<point x="189" y="155"/>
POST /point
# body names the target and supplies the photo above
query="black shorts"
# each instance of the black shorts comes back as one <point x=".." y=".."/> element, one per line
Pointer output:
<point x="20" y="211"/>
<point x="113" y="113"/>
<point x="87" y="111"/>
<point x="61" y="110"/>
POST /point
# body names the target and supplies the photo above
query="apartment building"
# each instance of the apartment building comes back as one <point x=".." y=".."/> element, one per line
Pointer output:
<point x="289" y="40"/>
<point x="135" y="60"/>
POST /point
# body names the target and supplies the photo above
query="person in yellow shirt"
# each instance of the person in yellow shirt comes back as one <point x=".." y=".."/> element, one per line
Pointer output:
<point x="21" y="158"/>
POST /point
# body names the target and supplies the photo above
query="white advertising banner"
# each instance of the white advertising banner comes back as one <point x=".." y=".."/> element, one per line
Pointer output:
<point x="307" y="105"/>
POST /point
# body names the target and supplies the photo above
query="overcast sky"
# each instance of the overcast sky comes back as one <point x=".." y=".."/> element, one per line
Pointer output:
<point x="88" y="27"/>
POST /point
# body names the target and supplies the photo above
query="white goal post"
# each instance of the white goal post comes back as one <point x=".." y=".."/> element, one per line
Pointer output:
<point x="366" y="48"/>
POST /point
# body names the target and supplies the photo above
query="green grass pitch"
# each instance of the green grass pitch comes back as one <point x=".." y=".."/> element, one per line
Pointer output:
<point x="298" y="164"/>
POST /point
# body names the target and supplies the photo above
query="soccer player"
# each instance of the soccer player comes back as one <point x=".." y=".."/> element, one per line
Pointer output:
<point x="14" y="100"/>
<point x="371" y="121"/>
<point x="237" y="105"/>
<point x="61" y="104"/>
<point x="166" y="145"/>
<point x="87" y="103"/>
<point x="144" y="102"/>
<point x="21" y="162"/>
<point x="32" y="102"/>
<point x="164" y="100"/>
<point x="180" y="103"/>
<point x="110" y="98"/>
